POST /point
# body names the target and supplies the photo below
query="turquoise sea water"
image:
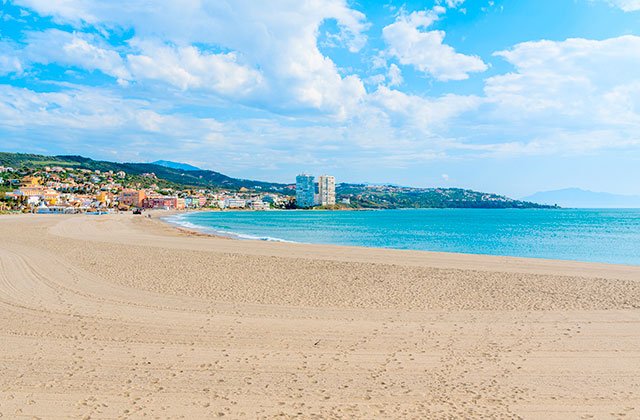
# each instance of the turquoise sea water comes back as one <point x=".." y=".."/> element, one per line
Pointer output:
<point x="611" y="235"/>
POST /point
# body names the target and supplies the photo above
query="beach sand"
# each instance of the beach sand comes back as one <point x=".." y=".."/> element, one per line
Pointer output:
<point x="123" y="316"/>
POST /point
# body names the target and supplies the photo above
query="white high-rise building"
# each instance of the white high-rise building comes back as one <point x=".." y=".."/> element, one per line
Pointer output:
<point x="326" y="190"/>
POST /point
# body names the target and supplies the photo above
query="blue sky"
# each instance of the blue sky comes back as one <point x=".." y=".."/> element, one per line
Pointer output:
<point x="506" y="96"/>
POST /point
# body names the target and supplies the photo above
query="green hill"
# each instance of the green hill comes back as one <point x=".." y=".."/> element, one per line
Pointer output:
<point x="190" y="178"/>
<point x="357" y="195"/>
<point x="393" y="197"/>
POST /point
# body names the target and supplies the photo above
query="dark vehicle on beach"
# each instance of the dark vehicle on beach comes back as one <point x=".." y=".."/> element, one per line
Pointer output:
<point x="137" y="211"/>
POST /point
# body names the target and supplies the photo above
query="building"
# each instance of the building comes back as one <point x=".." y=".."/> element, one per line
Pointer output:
<point x="104" y="197"/>
<point x="326" y="190"/>
<point x="259" y="205"/>
<point x="234" y="203"/>
<point x="163" y="202"/>
<point x="30" y="181"/>
<point x="305" y="191"/>
<point x="194" y="202"/>
<point x="132" y="198"/>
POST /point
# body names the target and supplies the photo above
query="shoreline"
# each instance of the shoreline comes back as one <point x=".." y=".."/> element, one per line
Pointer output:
<point x="239" y="237"/>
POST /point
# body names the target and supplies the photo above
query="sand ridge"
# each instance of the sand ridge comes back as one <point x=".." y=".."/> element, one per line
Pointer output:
<point x="116" y="316"/>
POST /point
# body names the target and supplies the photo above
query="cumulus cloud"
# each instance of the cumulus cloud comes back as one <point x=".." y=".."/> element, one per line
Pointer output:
<point x="277" y="39"/>
<point x="74" y="49"/>
<point x="574" y="96"/>
<point x="183" y="67"/>
<point x="578" y="80"/>
<point x="189" y="68"/>
<point x="194" y="59"/>
<point x="411" y="44"/>
<point x="426" y="114"/>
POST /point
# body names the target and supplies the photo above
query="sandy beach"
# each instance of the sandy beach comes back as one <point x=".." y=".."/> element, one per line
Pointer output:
<point x="123" y="316"/>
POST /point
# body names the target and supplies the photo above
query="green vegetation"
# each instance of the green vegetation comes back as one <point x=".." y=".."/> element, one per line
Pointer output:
<point x="393" y="197"/>
<point x="357" y="196"/>
<point x="167" y="177"/>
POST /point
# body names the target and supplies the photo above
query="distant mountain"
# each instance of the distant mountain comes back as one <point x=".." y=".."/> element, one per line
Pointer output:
<point x="578" y="198"/>
<point x="176" y="165"/>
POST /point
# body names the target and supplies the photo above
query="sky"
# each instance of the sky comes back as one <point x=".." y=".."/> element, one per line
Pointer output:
<point x="506" y="96"/>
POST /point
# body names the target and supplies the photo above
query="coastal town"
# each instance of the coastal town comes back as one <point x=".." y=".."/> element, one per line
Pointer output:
<point x="56" y="189"/>
<point x="74" y="184"/>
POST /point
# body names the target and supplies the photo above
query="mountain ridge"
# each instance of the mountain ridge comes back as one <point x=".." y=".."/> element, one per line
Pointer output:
<point x="176" y="165"/>
<point x="199" y="178"/>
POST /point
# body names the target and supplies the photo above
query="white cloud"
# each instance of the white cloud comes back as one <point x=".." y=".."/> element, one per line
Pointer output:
<point x="395" y="75"/>
<point x="189" y="68"/>
<point x="87" y="109"/>
<point x="183" y="67"/>
<point x="562" y="96"/>
<point x="425" y="50"/>
<point x="277" y="39"/>
<point x="97" y="122"/>
<point x="75" y="49"/>
<point x="421" y="114"/>
<point x="9" y="62"/>
<point x="452" y="4"/>
<point x="576" y="81"/>
<point x="626" y="5"/>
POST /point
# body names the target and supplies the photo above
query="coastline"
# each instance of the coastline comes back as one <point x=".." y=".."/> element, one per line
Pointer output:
<point x="454" y="256"/>
<point x="108" y="316"/>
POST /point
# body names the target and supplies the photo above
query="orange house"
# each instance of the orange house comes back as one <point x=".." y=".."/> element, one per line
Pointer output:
<point x="130" y="197"/>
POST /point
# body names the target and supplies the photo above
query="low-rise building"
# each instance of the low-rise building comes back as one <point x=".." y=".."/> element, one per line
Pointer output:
<point x="132" y="198"/>
<point x="259" y="205"/>
<point x="234" y="203"/>
<point x="163" y="202"/>
<point x="195" y="202"/>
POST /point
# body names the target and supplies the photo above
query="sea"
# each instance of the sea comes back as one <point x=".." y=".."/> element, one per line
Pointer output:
<point x="592" y="235"/>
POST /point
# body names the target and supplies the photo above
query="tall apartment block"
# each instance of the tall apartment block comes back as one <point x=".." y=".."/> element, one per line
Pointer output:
<point x="326" y="190"/>
<point x="305" y="191"/>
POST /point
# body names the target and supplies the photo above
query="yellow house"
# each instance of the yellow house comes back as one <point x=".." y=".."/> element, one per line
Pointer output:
<point x="30" y="181"/>
<point x="51" y="197"/>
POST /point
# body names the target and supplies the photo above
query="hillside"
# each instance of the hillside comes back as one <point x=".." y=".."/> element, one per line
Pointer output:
<point x="391" y="197"/>
<point x="356" y="195"/>
<point x="191" y="178"/>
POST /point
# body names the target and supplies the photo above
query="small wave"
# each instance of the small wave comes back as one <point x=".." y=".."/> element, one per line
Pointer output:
<point x="250" y="237"/>
<point x="179" y="220"/>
